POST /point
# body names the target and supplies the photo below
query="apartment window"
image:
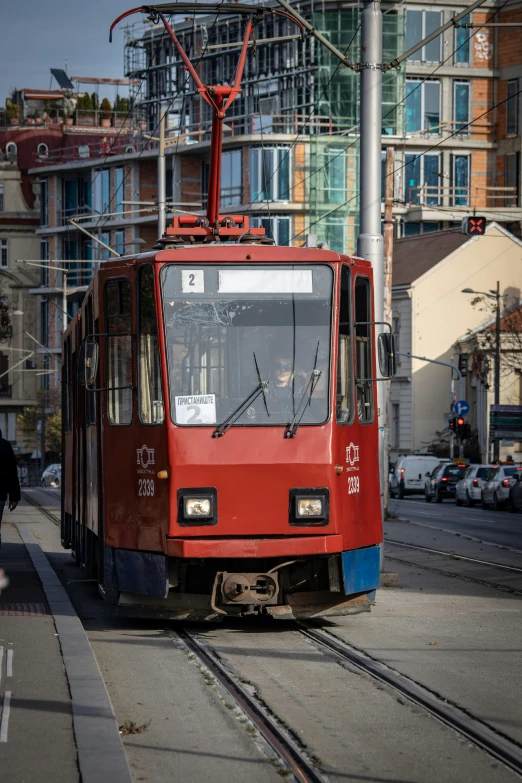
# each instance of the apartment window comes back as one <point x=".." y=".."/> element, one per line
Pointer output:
<point x="44" y="322"/>
<point x="512" y="108"/>
<point x="119" y="242"/>
<point x="461" y="177"/>
<point x="232" y="178"/>
<point x="269" y="174"/>
<point x="396" y="425"/>
<point x="461" y="92"/>
<point x="334" y="173"/>
<point x="44" y="202"/>
<point x="424" y="227"/>
<point x="2" y="197"/>
<point x="100" y="190"/>
<point x="462" y="48"/>
<point x="421" y="179"/>
<point x="422" y="106"/>
<point x="44" y="270"/>
<point x="334" y="228"/>
<point x="3" y="253"/>
<point x="277" y="227"/>
<point x="150" y="394"/>
<point x="103" y="253"/>
<point x="45" y="380"/>
<point x="119" y="350"/>
<point x="419" y="24"/>
<point x="11" y="150"/>
<point x="119" y="190"/>
<point x="511" y="177"/>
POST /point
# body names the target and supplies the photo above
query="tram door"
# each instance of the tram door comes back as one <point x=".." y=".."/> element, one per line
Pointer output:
<point x="134" y="440"/>
<point x="356" y="442"/>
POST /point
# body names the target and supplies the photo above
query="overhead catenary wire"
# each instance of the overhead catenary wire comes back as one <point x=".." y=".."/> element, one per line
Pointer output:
<point x="391" y="110"/>
<point x="425" y="152"/>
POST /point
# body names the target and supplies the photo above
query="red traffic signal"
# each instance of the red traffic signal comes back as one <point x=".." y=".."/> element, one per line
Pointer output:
<point x="474" y="226"/>
<point x="460" y="421"/>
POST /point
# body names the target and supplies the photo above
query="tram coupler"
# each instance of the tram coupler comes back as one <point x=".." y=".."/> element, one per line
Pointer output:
<point x="244" y="590"/>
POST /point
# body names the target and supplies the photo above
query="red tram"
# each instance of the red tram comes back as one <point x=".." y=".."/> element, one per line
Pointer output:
<point x="220" y="426"/>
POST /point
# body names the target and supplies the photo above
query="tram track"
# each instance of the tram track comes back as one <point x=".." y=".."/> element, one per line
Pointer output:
<point x="269" y="727"/>
<point x="454" y="574"/>
<point x="476" y="731"/>
<point x="26" y="496"/>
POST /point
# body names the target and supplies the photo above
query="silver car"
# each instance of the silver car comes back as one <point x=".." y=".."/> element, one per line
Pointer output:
<point x="52" y="476"/>
<point x="495" y="491"/>
<point x="469" y="488"/>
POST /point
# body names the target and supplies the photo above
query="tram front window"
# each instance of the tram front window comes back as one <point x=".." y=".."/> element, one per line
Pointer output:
<point x="220" y="321"/>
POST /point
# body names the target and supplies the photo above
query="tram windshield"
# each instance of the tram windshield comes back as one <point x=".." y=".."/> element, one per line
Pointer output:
<point x="230" y="327"/>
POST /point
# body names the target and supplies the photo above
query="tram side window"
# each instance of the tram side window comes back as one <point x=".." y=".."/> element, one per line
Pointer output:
<point x="363" y="348"/>
<point x="344" y="375"/>
<point x="90" y="396"/>
<point x="119" y="350"/>
<point x="67" y="372"/>
<point x="150" y="394"/>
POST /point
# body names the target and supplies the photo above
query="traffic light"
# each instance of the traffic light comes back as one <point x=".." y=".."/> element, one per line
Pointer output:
<point x="452" y="423"/>
<point x="461" y="428"/>
<point x="474" y="226"/>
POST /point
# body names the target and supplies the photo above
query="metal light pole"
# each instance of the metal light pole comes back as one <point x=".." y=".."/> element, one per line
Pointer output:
<point x="162" y="179"/>
<point x="493" y="295"/>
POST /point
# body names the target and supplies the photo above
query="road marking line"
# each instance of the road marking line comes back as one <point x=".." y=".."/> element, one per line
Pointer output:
<point x="4" y="725"/>
<point x="9" y="666"/>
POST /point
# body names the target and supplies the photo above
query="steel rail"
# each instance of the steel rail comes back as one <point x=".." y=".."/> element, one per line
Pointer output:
<point x="41" y="508"/>
<point x="479" y="733"/>
<point x="452" y="555"/>
<point x="283" y="745"/>
<point x="454" y="575"/>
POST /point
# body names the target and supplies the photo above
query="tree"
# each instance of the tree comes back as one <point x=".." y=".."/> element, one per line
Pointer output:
<point x="48" y="408"/>
<point x="440" y="446"/>
<point x="106" y="109"/>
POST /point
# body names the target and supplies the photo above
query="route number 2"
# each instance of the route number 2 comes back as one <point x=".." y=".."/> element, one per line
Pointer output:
<point x="146" y="488"/>
<point x="353" y="485"/>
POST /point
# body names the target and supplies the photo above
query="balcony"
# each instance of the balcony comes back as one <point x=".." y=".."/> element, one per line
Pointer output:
<point x="468" y="197"/>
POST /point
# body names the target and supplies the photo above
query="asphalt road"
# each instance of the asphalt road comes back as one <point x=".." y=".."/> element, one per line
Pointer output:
<point x="495" y="527"/>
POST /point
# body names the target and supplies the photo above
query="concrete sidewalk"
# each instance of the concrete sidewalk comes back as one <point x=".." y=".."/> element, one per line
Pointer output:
<point x="36" y="729"/>
<point x="57" y="722"/>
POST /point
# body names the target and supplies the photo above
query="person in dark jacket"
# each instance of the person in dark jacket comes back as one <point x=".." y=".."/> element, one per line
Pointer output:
<point x="9" y="484"/>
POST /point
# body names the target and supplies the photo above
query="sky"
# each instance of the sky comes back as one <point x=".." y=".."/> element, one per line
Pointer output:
<point x="36" y="35"/>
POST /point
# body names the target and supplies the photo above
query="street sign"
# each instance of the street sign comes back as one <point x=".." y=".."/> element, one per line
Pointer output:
<point x="505" y="422"/>
<point x="461" y="408"/>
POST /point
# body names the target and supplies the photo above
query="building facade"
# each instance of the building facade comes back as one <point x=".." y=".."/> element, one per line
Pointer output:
<point x="433" y="319"/>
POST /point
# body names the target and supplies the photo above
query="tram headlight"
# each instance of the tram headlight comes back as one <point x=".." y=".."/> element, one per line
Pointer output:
<point x="310" y="507"/>
<point x="197" y="507"/>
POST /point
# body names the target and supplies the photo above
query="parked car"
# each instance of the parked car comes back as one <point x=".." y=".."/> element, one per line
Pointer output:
<point x="52" y="476"/>
<point x="515" y="492"/>
<point x="408" y="475"/>
<point x="469" y="488"/>
<point x="442" y="482"/>
<point x="495" y="491"/>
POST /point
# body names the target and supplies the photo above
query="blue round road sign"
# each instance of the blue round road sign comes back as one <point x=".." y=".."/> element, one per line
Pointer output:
<point x="461" y="407"/>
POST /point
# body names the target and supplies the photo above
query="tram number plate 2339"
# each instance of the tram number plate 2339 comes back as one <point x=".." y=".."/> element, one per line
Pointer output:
<point x="353" y="485"/>
<point x="146" y="488"/>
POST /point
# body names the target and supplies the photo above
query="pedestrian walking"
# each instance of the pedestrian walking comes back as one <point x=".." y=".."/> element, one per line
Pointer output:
<point x="9" y="484"/>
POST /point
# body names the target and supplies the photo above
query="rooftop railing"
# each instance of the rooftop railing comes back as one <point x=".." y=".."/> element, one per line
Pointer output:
<point x="468" y="196"/>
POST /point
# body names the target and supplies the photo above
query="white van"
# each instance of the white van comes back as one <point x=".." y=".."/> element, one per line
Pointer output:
<point x="409" y="474"/>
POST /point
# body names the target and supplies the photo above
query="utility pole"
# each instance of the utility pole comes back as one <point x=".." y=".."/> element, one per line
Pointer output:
<point x="370" y="243"/>
<point x="496" y="442"/>
<point x="162" y="189"/>
<point x="387" y="277"/>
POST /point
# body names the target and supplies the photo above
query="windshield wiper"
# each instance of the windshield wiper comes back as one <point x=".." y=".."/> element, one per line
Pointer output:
<point x="313" y="380"/>
<point x="261" y="388"/>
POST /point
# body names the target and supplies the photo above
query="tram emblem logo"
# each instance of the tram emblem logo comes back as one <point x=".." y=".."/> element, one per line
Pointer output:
<point x="145" y="457"/>
<point x="352" y="454"/>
